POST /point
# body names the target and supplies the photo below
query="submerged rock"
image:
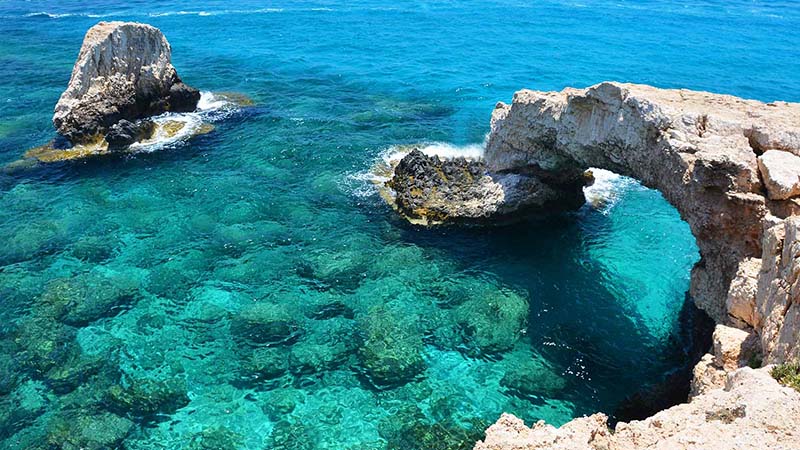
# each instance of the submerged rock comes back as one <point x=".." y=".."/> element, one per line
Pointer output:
<point x="392" y="350"/>
<point x="85" y="298"/>
<point x="145" y="397"/>
<point x="529" y="376"/>
<point x="266" y="323"/>
<point x="410" y="428"/>
<point x="268" y="362"/>
<point x="77" y="430"/>
<point x="326" y="346"/>
<point x="216" y="438"/>
<point x="42" y="343"/>
<point x="123" y="72"/>
<point x="492" y="320"/>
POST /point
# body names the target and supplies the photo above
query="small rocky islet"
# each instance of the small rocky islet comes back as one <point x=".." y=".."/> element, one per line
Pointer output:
<point x="122" y="79"/>
<point x="729" y="166"/>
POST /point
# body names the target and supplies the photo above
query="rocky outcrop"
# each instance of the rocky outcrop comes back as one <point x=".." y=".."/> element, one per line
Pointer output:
<point x="125" y="133"/>
<point x="123" y="72"/>
<point x="750" y="412"/>
<point x="729" y="166"/>
<point x="431" y="190"/>
<point x="699" y="149"/>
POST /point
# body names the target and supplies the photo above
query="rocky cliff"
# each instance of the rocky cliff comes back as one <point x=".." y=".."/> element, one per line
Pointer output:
<point x="123" y="73"/>
<point x="731" y="167"/>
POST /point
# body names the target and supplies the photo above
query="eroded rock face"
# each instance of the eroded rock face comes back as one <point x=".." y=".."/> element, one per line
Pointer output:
<point x="432" y="190"/>
<point x="729" y="167"/>
<point x="751" y="411"/>
<point x="698" y="149"/>
<point x="123" y="71"/>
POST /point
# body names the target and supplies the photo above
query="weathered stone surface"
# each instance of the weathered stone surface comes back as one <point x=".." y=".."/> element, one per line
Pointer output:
<point x="733" y="347"/>
<point x="741" y="300"/>
<point x="432" y="190"/>
<point x="752" y="411"/>
<point x="778" y="296"/>
<point x="781" y="174"/>
<point x="123" y="71"/>
<point x="708" y="155"/>
<point x="707" y="376"/>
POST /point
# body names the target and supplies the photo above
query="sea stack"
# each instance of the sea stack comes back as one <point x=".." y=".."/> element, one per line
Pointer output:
<point x="123" y="74"/>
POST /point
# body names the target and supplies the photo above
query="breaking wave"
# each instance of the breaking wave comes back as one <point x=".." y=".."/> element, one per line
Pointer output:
<point x="175" y="128"/>
<point x="367" y="183"/>
<point x="607" y="189"/>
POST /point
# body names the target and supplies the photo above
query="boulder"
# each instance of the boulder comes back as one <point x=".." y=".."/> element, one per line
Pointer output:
<point x="781" y="173"/>
<point x="123" y="72"/>
<point x="266" y="323"/>
<point x="267" y="363"/>
<point x="145" y="398"/>
<point x="492" y="321"/>
<point x="125" y="133"/>
<point x="392" y="350"/>
<point x="733" y="347"/>
<point x="431" y="190"/>
<point x="86" y="431"/>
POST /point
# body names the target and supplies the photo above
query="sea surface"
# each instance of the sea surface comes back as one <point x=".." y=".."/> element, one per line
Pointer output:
<point x="249" y="289"/>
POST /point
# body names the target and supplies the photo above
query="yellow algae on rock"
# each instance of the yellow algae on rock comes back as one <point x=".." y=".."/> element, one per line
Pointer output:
<point x="237" y="98"/>
<point x="171" y="128"/>
<point x="49" y="153"/>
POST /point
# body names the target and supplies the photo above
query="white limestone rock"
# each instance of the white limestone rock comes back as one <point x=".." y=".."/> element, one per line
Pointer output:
<point x="123" y="71"/>
<point x="750" y="412"/>
<point x="781" y="173"/>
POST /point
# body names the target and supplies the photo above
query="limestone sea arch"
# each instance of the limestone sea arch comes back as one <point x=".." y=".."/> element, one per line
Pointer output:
<point x="731" y="168"/>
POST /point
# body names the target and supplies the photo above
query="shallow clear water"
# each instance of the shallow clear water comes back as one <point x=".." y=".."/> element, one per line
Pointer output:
<point x="249" y="289"/>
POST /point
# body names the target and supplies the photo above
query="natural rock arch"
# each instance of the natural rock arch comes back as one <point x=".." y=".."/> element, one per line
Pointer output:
<point x="699" y="150"/>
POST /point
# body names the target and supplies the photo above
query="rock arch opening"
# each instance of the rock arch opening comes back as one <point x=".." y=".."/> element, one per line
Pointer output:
<point x="695" y="148"/>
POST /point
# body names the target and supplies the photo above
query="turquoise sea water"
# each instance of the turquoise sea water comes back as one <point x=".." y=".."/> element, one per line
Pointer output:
<point x="248" y="289"/>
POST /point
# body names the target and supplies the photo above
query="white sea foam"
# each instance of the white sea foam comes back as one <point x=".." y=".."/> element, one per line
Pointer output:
<point x="443" y="150"/>
<point x="59" y="16"/>
<point x="211" y="108"/>
<point x="364" y="184"/>
<point x="216" y="13"/>
<point x="604" y="193"/>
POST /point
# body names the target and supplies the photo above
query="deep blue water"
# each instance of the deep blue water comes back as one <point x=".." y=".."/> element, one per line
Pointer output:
<point x="133" y="288"/>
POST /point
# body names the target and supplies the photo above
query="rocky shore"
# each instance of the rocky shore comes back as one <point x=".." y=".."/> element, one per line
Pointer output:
<point x="731" y="167"/>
